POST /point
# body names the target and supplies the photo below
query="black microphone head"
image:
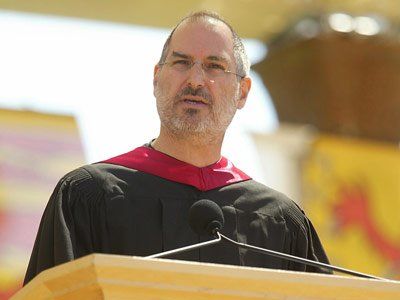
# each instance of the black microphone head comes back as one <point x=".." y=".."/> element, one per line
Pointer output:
<point x="206" y="217"/>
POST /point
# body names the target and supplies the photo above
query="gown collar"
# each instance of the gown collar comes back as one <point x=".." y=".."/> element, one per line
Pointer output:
<point x="149" y="160"/>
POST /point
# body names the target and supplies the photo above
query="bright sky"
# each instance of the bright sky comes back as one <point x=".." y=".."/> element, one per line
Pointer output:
<point x="101" y="73"/>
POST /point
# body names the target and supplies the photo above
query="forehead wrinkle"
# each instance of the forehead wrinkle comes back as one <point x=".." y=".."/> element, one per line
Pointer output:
<point x="210" y="57"/>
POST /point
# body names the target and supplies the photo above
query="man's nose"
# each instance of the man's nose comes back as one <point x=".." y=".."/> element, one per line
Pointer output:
<point x="196" y="75"/>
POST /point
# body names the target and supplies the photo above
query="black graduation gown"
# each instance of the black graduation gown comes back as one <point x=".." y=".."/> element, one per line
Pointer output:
<point x="106" y="208"/>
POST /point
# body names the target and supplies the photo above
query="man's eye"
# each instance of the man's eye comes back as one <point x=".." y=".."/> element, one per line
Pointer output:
<point x="214" y="66"/>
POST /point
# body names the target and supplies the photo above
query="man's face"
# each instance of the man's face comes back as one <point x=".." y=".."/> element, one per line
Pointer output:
<point x="193" y="100"/>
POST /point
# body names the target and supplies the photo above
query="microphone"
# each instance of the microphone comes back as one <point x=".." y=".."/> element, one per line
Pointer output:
<point x="207" y="218"/>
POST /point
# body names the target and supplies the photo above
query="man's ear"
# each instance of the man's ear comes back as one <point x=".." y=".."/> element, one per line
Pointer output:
<point x="155" y="75"/>
<point x="245" y="86"/>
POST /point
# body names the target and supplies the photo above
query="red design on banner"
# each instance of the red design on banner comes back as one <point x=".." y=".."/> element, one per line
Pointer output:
<point x="353" y="210"/>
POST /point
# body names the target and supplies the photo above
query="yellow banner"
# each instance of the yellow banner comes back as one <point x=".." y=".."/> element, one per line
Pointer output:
<point x="352" y="194"/>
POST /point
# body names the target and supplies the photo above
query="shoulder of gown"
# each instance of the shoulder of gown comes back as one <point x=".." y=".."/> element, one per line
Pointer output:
<point x="69" y="209"/>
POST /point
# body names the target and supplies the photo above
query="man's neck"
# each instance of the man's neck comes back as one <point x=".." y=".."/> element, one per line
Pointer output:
<point x="191" y="151"/>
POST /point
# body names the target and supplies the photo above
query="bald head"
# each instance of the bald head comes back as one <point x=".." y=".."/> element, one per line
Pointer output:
<point x="211" y="18"/>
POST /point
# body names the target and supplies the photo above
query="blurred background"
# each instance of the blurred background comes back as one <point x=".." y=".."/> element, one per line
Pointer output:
<point x="322" y="123"/>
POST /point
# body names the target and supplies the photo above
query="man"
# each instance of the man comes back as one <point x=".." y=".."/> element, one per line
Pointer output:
<point x="137" y="203"/>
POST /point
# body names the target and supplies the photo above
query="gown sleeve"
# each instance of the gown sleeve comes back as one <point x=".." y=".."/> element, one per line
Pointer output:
<point x="315" y="251"/>
<point x="308" y="245"/>
<point x="56" y="239"/>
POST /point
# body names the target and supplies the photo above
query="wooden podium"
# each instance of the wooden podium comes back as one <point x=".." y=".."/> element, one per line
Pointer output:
<point x="100" y="276"/>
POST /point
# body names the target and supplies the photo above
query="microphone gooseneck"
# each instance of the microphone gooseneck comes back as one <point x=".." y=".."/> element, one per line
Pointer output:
<point x="297" y="259"/>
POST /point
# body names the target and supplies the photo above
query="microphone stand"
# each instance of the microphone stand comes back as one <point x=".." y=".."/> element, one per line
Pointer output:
<point x="298" y="259"/>
<point x="187" y="248"/>
<point x="305" y="261"/>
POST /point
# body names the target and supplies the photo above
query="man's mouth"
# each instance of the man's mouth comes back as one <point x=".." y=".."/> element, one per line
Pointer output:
<point x="195" y="101"/>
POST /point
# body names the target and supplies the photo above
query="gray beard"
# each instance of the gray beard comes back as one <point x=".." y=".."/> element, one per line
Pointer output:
<point x="201" y="132"/>
<point x="189" y="127"/>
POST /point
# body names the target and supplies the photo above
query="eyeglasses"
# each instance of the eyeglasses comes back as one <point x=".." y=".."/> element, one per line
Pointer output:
<point x="211" y="69"/>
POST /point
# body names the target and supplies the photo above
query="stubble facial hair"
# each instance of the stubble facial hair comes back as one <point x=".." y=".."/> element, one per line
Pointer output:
<point x="191" y="125"/>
